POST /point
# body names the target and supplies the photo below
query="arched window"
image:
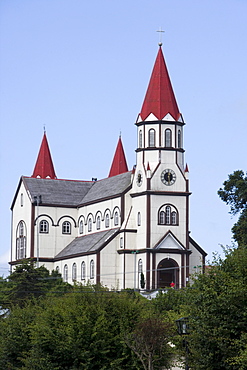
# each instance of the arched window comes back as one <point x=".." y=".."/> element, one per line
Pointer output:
<point x="83" y="270"/>
<point x="81" y="227"/>
<point x="57" y="269"/>
<point x="151" y="138"/>
<point x="98" y="223"/>
<point x="140" y="139"/>
<point x="174" y="218"/>
<point x="139" y="219"/>
<point x="91" y="269"/>
<point x="168" y="138"/>
<point x="116" y="220"/>
<point x="65" y="273"/>
<point x="74" y="271"/>
<point x="168" y="215"/>
<point x="139" y="272"/>
<point x="179" y="139"/>
<point x="162" y="218"/>
<point x="140" y="265"/>
<point x="107" y="220"/>
<point x="43" y="227"/>
<point x="89" y="225"/>
<point x="66" y="227"/>
<point x="21" y="241"/>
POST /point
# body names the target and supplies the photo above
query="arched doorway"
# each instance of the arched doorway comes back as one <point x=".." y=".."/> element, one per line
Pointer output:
<point x="167" y="272"/>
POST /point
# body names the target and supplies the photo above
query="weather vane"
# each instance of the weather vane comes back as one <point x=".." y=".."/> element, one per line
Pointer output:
<point x="161" y="31"/>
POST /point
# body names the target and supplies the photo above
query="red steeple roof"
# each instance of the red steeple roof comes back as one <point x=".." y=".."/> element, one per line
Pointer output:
<point x="160" y="99"/>
<point x="119" y="164"/>
<point x="44" y="167"/>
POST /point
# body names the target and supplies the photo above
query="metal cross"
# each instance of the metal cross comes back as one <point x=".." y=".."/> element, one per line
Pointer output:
<point x="161" y="31"/>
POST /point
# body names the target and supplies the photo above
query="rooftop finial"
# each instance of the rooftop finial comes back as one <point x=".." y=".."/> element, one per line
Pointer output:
<point x="161" y="31"/>
<point x="44" y="129"/>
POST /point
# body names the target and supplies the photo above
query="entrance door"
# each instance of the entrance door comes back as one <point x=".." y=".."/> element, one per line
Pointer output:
<point x="168" y="272"/>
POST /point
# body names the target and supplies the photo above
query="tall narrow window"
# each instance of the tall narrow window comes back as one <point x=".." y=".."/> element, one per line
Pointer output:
<point x="139" y="219"/>
<point x="168" y="215"/>
<point x="98" y="223"/>
<point x="21" y="199"/>
<point x="83" y="271"/>
<point x="65" y="273"/>
<point x="168" y="138"/>
<point x="91" y="269"/>
<point x="89" y="225"/>
<point x="162" y="218"/>
<point x="107" y="220"/>
<point x="121" y="242"/>
<point x="139" y="272"/>
<point x="140" y="139"/>
<point x="74" y="271"/>
<point x="66" y="227"/>
<point x="21" y="241"/>
<point x="151" y="138"/>
<point x="116" y="221"/>
<point x="43" y="227"/>
<point x="81" y="227"/>
<point x="179" y="139"/>
<point x="174" y="218"/>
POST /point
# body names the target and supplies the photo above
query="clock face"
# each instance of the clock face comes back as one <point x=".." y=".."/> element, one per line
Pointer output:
<point x="168" y="177"/>
<point x="139" y="178"/>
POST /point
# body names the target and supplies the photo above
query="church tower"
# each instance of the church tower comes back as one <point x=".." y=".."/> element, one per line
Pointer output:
<point x="160" y="189"/>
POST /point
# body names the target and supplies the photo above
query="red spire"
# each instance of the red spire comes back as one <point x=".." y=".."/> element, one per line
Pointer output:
<point x="160" y="99"/>
<point x="119" y="164"/>
<point x="44" y="167"/>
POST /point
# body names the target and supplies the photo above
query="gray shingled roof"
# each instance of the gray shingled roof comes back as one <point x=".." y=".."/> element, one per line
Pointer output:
<point x="87" y="243"/>
<point x="58" y="192"/>
<point x="108" y="187"/>
<point x="74" y="193"/>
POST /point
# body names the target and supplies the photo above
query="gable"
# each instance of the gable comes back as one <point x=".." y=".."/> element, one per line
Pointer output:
<point x="169" y="242"/>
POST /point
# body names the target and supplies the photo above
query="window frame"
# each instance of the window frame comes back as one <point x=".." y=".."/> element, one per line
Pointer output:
<point x="74" y="271"/>
<point x="44" y="227"/>
<point x="168" y="138"/>
<point x="83" y="270"/>
<point x="92" y="269"/>
<point x="65" y="273"/>
<point x="151" y="138"/>
<point x="66" y="228"/>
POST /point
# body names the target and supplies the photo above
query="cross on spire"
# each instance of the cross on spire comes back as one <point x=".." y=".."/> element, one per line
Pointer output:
<point x="160" y="31"/>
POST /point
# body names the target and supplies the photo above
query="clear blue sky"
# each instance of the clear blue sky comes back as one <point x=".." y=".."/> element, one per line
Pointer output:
<point x="81" y="68"/>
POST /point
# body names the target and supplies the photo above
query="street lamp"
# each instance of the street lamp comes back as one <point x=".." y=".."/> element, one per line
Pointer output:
<point x="183" y="329"/>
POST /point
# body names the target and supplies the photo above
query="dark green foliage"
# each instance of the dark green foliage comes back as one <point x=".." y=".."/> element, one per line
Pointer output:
<point x="216" y="305"/>
<point x="234" y="193"/>
<point x="83" y="329"/>
<point x="28" y="282"/>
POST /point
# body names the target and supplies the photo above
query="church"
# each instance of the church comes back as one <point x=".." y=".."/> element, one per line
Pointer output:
<point x="116" y="230"/>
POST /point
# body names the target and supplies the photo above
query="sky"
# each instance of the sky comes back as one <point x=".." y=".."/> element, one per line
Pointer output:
<point x="81" y="69"/>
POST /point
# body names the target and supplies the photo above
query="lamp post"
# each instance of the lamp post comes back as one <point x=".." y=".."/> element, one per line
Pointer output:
<point x="183" y="329"/>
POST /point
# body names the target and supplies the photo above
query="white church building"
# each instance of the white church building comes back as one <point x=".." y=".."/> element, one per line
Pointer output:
<point x="110" y="231"/>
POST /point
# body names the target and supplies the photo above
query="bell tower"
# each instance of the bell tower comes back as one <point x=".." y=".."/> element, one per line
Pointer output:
<point x="161" y="185"/>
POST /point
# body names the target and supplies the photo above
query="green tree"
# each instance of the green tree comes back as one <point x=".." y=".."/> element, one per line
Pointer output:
<point x="234" y="193"/>
<point x="216" y="305"/>
<point x="28" y="282"/>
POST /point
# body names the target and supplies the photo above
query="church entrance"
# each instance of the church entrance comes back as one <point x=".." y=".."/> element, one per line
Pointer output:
<point x="167" y="273"/>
